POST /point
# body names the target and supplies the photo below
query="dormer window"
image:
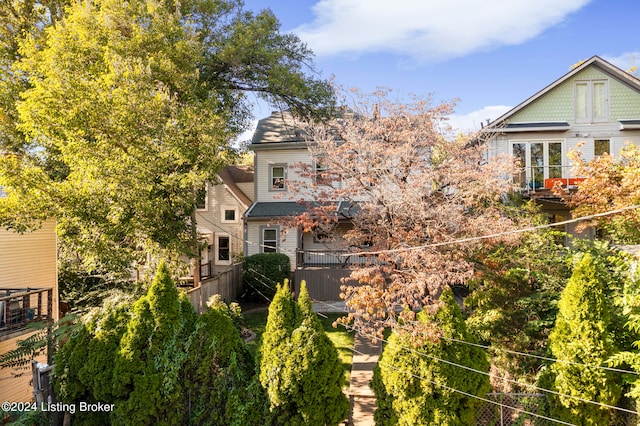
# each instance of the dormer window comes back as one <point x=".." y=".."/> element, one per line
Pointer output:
<point x="591" y="101"/>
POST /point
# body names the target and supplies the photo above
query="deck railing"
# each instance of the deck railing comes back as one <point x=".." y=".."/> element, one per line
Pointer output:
<point x="20" y="306"/>
<point x="536" y="178"/>
<point x="333" y="259"/>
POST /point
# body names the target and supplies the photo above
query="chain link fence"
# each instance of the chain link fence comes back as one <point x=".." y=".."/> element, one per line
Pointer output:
<point x="525" y="409"/>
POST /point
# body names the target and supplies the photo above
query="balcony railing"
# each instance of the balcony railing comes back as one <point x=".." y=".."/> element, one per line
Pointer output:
<point x="538" y="178"/>
<point x="20" y="306"/>
<point x="333" y="259"/>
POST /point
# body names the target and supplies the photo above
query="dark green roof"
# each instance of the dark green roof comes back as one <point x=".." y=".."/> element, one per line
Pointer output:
<point x="292" y="208"/>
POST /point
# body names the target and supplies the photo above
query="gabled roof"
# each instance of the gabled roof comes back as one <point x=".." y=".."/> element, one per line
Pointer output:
<point x="232" y="175"/>
<point x="595" y="61"/>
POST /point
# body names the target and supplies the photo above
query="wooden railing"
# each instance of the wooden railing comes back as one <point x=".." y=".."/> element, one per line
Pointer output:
<point x="20" y="306"/>
<point x="205" y="269"/>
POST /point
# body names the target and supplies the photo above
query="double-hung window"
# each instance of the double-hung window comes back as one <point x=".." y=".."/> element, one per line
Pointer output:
<point x="591" y="101"/>
<point x="269" y="239"/>
<point x="277" y="176"/>
<point x="202" y="198"/>
<point x="539" y="160"/>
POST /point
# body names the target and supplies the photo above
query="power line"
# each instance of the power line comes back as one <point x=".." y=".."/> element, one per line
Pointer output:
<point x="617" y="370"/>
<point x="386" y="365"/>
<point x="443" y="243"/>
<point x="494" y="376"/>
<point x="499" y="234"/>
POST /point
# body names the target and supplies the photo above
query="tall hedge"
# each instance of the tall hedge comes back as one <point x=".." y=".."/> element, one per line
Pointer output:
<point x="151" y="356"/>
<point x="299" y="366"/>
<point x="221" y="385"/>
<point x="159" y="363"/>
<point x="263" y="271"/>
<point x="412" y="385"/>
<point x="583" y="335"/>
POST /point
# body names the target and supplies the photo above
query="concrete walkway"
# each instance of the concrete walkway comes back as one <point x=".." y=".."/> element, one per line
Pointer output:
<point x="365" y="358"/>
<point x="363" y="400"/>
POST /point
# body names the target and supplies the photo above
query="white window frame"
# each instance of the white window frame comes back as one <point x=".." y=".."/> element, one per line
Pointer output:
<point x="595" y="155"/>
<point x="319" y="167"/>
<point x="216" y="258"/>
<point x="271" y="178"/>
<point x="590" y="99"/>
<point x="545" y="167"/>
<point x="206" y="199"/>
<point x="224" y="210"/>
<point x="263" y="241"/>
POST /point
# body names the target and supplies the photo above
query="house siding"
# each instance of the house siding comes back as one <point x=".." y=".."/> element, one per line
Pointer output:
<point x="16" y="389"/>
<point x="287" y="244"/>
<point x="290" y="157"/>
<point x="624" y="102"/>
<point x="27" y="261"/>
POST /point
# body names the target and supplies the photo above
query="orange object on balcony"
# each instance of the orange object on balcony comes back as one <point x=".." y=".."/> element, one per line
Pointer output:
<point x="549" y="183"/>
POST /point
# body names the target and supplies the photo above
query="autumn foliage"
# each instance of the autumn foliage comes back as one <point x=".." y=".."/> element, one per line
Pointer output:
<point x="609" y="184"/>
<point x="412" y="190"/>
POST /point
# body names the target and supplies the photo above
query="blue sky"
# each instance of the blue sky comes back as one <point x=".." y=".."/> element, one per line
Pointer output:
<point x="490" y="54"/>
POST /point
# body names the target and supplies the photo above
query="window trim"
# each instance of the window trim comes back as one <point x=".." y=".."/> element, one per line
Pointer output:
<point x="216" y="253"/>
<point x="590" y="99"/>
<point x="318" y="169"/>
<point x="223" y="211"/>
<point x="206" y="199"/>
<point x="262" y="239"/>
<point x="595" y="155"/>
<point x="528" y="166"/>
<point x="284" y="174"/>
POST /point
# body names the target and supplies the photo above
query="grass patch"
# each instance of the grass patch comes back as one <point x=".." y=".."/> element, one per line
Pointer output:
<point x="342" y="339"/>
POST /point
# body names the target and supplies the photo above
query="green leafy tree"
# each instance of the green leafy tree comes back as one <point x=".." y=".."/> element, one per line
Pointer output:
<point x="583" y="335"/>
<point x="121" y="110"/>
<point x="414" y="387"/>
<point x="514" y="301"/>
<point x="299" y="366"/>
<point x="630" y="303"/>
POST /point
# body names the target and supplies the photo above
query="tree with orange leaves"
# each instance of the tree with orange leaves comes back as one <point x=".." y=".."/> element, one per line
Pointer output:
<point x="609" y="184"/>
<point x="412" y="190"/>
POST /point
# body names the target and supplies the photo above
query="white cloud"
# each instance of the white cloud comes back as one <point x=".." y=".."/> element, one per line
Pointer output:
<point x="472" y="121"/>
<point x="428" y="29"/>
<point x="625" y="61"/>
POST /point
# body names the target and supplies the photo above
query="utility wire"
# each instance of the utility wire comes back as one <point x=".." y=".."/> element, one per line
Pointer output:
<point x="386" y="365"/>
<point x="617" y="370"/>
<point x="444" y="243"/>
<point x="420" y="353"/>
<point x="498" y="234"/>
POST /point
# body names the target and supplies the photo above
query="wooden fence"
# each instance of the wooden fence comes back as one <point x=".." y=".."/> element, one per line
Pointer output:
<point x="322" y="283"/>
<point x="227" y="284"/>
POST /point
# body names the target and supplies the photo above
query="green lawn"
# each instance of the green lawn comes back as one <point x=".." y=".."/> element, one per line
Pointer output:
<point x="341" y="338"/>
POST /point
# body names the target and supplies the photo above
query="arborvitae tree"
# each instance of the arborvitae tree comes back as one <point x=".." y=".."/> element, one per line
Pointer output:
<point x="221" y="386"/>
<point x="280" y="324"/>
<point x="151" y="355"/>
<point x="299" y="366"/>
<point x="160" y="363"/>
<point x="84" y="364"/>
<point x="414" y="387"/>
<point x="582" y="335"/>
